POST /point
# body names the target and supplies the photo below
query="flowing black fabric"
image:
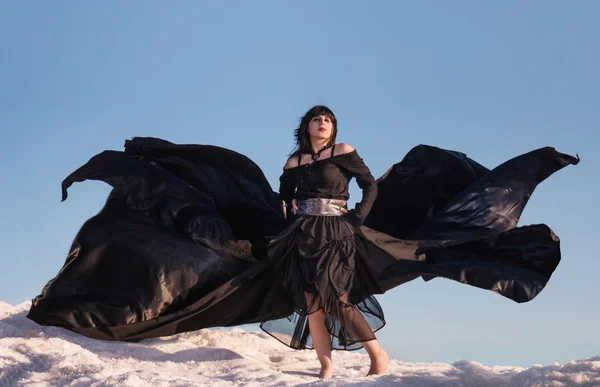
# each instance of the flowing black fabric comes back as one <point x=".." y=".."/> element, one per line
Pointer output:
<point x="193" y="236"/>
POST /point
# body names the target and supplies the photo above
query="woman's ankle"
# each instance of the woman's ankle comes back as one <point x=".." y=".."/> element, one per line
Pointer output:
<point x="379" y="362"/>
<point x="326" y="371"/>
<point x="326" y="368"/>
<point x="326" y="362"/>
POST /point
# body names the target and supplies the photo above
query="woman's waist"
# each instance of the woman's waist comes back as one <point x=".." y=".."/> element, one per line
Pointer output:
<point x="321" y="207"/>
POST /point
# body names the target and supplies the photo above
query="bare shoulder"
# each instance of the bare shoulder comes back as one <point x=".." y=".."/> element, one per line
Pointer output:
<point x="291" y="162"/>
<point x="342" y="148"/>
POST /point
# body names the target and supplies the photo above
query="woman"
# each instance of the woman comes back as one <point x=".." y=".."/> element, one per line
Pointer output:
<point x="315" y="257"/>
<point x="185" y="240"/>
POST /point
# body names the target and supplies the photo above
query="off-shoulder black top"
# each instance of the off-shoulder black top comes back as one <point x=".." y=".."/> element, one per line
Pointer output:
<point x="329" y="178"/>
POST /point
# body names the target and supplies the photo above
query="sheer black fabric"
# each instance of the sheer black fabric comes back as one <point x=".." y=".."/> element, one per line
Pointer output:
<point x="317" y="262"/>
<point x="193" y="236"/>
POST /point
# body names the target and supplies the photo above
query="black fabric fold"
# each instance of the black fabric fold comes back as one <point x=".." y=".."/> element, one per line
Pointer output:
<point x="287" y="186"/>
<point x="357" y="168"/>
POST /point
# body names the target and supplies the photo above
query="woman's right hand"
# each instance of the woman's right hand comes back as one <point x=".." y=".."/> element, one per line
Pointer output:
<point x="284" y="208"/>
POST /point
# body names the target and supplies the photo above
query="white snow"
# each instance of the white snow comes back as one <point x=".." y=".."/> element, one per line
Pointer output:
<point x="46" y="356"/>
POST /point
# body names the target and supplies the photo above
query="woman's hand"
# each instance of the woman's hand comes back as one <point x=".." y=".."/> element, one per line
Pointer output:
<point x="284" y="208"/>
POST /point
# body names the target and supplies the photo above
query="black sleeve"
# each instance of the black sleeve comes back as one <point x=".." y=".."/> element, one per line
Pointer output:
<point x="287" y="186"/>
<point x="355" y="165"/>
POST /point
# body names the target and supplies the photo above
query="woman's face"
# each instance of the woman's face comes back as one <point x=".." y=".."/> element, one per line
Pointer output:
<point x="320" y="127"/>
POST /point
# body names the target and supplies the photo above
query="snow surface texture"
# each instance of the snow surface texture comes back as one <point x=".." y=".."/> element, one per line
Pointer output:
<point x="46" y="356"/>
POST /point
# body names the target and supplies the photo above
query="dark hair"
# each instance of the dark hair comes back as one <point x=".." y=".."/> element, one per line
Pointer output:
<point x="301" y="134"/>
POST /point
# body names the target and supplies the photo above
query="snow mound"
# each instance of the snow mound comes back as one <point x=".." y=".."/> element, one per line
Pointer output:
<point x="47" y="356"/>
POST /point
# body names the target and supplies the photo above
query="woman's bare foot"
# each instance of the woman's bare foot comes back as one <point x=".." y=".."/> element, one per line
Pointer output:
<point x="379" y="363"/>
<point x="326" y="372"/>
<point x="326" y="368"/>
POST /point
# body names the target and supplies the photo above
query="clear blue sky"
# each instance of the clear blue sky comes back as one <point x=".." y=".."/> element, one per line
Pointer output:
<point x="491" y="79"/>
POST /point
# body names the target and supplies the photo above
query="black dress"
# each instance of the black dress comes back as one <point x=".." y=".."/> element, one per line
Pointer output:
<point x="321" y="256"/>
<point x="193" y="236"/>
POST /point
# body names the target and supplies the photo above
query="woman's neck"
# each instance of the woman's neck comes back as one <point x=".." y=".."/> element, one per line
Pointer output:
<point x="318" y="144"/>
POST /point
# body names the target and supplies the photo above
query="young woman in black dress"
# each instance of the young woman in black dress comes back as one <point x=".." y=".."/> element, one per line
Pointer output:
<point x="192" y="237"/>
<point x="317" y="258"/>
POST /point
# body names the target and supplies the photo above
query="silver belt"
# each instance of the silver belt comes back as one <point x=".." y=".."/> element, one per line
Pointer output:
<point x="323" y="207"/>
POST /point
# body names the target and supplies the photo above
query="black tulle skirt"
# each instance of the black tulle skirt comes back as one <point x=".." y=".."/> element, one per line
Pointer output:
<point x="318" y="262"/>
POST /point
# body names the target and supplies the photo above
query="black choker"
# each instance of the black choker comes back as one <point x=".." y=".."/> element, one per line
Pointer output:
<point x="315" y="156"/>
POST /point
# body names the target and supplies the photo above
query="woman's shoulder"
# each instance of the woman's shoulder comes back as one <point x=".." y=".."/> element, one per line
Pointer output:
<point x="343" y="148"/>
<point x="292" y="162"/>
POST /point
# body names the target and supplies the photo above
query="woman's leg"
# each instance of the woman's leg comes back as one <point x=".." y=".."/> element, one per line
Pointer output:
<point x="354" y="322"/>
<point x="320" y="335"/>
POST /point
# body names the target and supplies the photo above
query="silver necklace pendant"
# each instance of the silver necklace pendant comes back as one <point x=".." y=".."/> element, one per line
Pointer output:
<point x="315" y="156"/>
